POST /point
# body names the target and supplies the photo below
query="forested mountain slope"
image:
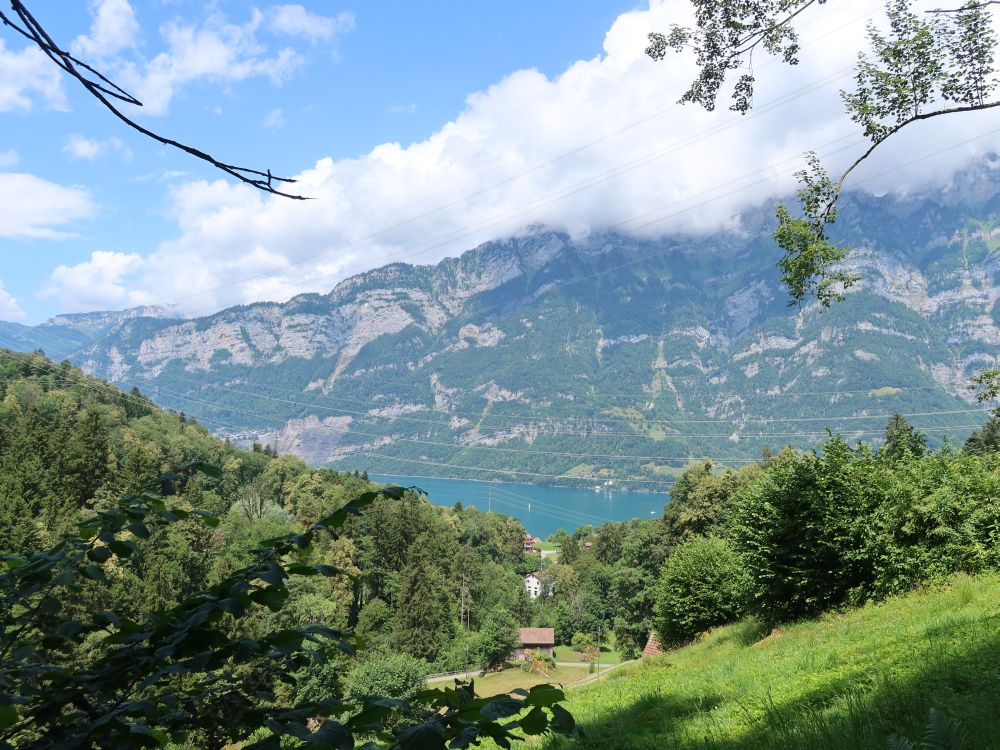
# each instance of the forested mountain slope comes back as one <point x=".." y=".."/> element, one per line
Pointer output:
<point x="70" y="445"/>
<point x="605" y="357"/>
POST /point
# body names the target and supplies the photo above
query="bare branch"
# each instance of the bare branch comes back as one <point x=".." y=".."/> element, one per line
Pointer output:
<point x="966" y="7"/>
<point x="105" y="90"/>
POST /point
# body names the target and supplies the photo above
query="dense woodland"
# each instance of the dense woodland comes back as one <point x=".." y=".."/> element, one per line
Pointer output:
<point x="428" y="588"/>
<point x="859" y="523"/>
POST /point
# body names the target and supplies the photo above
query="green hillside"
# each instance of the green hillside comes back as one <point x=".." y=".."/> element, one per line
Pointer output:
<point x="847" y="680"/>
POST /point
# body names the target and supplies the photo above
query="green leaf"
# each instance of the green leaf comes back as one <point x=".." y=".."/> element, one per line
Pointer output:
<point x="202" y="467"/>
<point x="286" y="641"/>
<point x="8" y="716"/>
<point x="125" y="548"/>
<point x="99" y="554"/>
<point x="423" y="737"/>
<point x="94" y="573"/>
<point x="13" y="562"/>
<point x="544" y="695"/>
<point x="69" y="628"/>
<point x="562" y="720"/>
<point x="465" y="738"/>
<point x="498" y="708"/>
<point x="273" y="597"/>
<point x="535" y="722"/>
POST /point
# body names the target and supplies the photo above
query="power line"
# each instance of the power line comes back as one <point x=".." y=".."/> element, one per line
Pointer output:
<point x="763" y="108"/>
<point x="607" y="174"/>
<point x="741" y="434"/>
<point x="593" y="420"/>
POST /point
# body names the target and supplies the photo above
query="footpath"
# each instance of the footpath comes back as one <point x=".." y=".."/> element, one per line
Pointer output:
<point x="479" y="673"/>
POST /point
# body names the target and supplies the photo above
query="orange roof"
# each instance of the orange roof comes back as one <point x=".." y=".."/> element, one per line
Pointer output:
<point x="538" y="636"/>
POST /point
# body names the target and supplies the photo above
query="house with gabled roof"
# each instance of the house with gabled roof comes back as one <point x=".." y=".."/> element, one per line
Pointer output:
<point x="542" y="640"/>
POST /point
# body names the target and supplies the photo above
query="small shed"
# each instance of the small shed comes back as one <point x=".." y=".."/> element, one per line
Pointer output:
<point x="542" y="640"/>
<point x="653" y="646"/>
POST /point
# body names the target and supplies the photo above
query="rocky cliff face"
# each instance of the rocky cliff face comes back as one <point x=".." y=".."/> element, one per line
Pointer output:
<point x="553" y="357"/>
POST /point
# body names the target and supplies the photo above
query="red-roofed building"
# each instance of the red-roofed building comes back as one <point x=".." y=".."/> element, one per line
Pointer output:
<point x="531" y="544"/>
<point x="535" y="639"/>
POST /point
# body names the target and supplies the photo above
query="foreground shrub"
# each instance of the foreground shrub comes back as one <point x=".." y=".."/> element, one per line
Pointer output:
<point x="804" y="531"/>
<point x="701" y="586"/>
<point x="387" y="675"/>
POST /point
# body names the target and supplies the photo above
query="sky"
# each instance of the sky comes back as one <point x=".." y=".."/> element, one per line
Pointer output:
<point x="418" y="130"/>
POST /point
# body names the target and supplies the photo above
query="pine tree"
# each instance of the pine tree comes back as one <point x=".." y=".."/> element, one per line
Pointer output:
<point x="986" y="439"/>
<point x="423" y="619"/>
<point x="902" y="440"/>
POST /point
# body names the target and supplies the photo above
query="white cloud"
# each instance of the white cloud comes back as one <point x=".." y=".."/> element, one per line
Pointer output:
<point x="32" y="207"/>
<point x="9" y="158"/>
<point x="215" y="50"/>
<point x="275" y="119"/>
<point x="295" y="20"/>
<point x="600" y="146"/>
<point x="78" y="147"/>
<point x="402" y="109"/>
<point x="9" y="309"/>
<point x="27" y="75"/>
<point x="113" y="29"/>
<point x="98" y="283"/>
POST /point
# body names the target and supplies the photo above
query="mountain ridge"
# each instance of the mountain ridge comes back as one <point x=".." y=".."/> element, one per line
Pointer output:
<point x="542" y="344"/>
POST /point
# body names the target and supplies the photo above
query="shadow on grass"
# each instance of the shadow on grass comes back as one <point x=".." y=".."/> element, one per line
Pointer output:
<point x="960" y="677"/>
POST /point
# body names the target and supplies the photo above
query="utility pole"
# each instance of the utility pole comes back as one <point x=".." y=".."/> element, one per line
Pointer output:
<point x="599" y="648"/>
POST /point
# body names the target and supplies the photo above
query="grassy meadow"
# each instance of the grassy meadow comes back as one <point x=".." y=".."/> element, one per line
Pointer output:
<point x="847" y="680"/>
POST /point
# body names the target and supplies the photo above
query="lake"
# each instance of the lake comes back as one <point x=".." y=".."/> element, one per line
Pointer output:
<point x="541" y="509"/>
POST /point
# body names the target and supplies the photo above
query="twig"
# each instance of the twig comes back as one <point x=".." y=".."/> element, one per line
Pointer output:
<point x="104" y="90"/>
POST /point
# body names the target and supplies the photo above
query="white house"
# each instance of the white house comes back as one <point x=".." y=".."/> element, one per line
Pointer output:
<point x="533" y="584"/>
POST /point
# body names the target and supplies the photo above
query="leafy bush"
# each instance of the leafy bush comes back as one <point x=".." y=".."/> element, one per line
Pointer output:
<point x="387" y="675"/>
<point x="497" y="639"/>
<point x="804" y="531"/>
<point x="938" y="516"/>
<point x="459" y="654"/>
<point x="701" y="585"/>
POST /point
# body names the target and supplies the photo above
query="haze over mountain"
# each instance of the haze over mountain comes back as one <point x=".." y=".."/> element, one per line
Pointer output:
<point x="608" y="357"/>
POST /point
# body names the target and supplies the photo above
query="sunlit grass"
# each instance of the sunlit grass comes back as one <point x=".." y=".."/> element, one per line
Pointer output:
<point x="846" y="681"/>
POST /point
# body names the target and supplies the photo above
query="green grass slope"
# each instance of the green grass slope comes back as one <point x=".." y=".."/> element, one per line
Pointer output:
<point x="846" y="681"/>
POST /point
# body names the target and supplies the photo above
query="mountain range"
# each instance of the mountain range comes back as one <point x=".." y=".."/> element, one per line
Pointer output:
<point x="608" y="357"/>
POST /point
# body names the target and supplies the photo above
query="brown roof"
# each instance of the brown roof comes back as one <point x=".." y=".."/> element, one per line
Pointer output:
<point x="538" y="636"/>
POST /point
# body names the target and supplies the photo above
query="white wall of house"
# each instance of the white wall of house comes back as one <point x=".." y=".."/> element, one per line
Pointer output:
<point x="533" y="584"/>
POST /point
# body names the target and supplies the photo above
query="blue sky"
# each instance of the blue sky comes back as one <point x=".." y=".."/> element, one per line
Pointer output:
<point x="420" y="128"/>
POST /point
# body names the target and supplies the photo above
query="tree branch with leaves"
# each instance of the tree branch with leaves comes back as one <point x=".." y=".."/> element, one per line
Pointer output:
<point x="925" y="66"/>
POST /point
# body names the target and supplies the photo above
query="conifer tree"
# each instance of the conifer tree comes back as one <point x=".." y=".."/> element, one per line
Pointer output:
<point x="424" y="619"/>
<point x="902" y="440"/>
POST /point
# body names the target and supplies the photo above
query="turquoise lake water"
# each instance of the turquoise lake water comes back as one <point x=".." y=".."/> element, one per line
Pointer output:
<point x="541" y="509"/>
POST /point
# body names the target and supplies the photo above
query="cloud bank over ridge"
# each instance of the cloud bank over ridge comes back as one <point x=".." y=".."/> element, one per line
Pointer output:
<point x="603" y="145"/>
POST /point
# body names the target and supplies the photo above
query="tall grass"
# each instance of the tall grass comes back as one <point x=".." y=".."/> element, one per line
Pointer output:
<point x="846" y="681"/>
